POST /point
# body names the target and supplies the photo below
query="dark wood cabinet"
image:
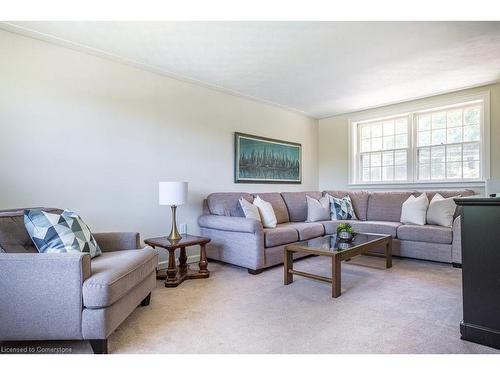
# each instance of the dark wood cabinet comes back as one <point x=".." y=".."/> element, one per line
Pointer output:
<point x="481" y="270"/>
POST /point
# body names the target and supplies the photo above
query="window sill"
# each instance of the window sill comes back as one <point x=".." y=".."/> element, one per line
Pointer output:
<point x="420" y="185"/>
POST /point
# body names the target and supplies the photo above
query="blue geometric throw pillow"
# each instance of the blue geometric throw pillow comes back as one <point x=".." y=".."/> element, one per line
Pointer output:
<point x="60" y="233"/>
<point x="341" y="208"/>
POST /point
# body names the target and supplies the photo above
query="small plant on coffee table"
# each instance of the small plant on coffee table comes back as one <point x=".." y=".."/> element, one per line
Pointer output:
<point x="345" y="231"/>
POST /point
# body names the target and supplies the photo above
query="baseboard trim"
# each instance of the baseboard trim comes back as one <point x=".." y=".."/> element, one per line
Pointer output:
<point x="480" y="335"/>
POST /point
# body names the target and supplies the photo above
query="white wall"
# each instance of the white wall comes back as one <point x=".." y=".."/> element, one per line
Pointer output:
<point x="96" y="136"/>
<point x="333" y="139"/>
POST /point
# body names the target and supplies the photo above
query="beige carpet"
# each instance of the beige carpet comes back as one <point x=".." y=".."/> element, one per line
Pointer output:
<point x="415" y="307"/>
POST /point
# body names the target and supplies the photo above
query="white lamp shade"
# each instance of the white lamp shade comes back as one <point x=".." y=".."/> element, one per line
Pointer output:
<point x="172" y="193"/>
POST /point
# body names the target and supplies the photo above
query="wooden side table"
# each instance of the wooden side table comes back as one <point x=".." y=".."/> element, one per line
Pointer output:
<point x="174" y="276"/>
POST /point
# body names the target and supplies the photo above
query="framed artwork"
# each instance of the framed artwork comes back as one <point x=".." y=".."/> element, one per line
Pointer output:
<point x="264" y="160"/>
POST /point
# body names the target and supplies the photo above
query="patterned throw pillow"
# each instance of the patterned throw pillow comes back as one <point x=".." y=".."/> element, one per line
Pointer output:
<point x="60" y="233"/>
<point x="341" y="208"/>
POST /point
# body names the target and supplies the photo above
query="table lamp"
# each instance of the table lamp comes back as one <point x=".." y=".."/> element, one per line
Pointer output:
<point x="173" y="194"/>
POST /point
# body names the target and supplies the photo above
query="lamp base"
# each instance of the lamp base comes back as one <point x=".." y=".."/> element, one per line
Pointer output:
<point x="174" y="233"/>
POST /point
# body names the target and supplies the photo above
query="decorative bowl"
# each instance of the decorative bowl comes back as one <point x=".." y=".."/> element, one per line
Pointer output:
<point x="345" y="236"/>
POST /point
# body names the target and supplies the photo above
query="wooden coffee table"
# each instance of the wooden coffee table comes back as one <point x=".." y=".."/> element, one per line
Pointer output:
<point x="330" y="246"/>
<point x="173" y="276"/>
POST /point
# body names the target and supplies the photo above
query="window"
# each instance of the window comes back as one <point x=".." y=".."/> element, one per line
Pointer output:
<point x="448" y="144"/>
<point x="435" y="144"/>
<point x="384" y="150"/>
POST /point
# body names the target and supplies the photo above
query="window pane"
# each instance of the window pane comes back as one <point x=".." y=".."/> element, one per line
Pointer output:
<point x="438" y="171"/>
<point x="438" y="137"/>
<point x="454" y="135"/>
<point x="365" y="145"/>
<point x="400" y="157"/>
<point x="439" y="120"/>
<point x="454" y="170"/>
<point x="471" y="151"/>
<point x="365" y="131"/>
<point x="376" y="144"/>
<point x="388" y="128"/>
<point x="424" y="138"/>
<point x="377" y="130"/>
<point x="471" y="169"/>
<point x="454" y="153"/>
<point x="400" y="172"/>
<point x="376" y="160"/>
<point x="388" y="173"/>
<point x="438" y="154"/>
<point x="424" y="172"/>
<point x="375" y="174"/>
<point x="424" y="155"/>
<point x="389" y="142"/>
<point x="401" y="141"/>
<point x="365" y="160"/>
<point x="424" y="123"/>
<point x="401" y="126"/>
<point x="471" y="133"/>
<point x="471" y="116"/>
<point x="365" y="175"/>
<point x="388" y="158"/>
<point x="454" y="118"/>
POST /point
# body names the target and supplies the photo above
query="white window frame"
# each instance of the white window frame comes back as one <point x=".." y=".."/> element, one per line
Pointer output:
<point x="410" y="110"/>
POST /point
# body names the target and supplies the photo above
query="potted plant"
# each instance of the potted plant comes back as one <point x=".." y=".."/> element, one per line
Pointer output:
<point x="345" y="232"/>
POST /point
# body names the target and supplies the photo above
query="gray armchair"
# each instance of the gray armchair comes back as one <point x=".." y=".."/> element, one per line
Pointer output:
<point x="69" y="296"/>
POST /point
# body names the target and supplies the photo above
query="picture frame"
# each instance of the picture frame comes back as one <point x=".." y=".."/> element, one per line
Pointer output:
<point x="261" y="160"/>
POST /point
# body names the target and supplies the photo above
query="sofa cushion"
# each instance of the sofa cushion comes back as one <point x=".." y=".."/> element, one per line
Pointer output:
<point x="425" y="233"/>
<point x="307" y="230"/>
<point x="359" y="199"/>
<point x="386" y="206"/>
<point x="14" y="237"/>
<point x="227" y="204"/>
<point x="115" y="273"/>
<point x="278" y="204"/>
<point x="330" y="226"/>
<point x="279" y="236"/>
<point x="379" y="227"/>
<point x="297" y="204"/>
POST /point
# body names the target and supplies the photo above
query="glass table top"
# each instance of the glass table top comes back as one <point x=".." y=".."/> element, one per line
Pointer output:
<point x="332" y="243"/>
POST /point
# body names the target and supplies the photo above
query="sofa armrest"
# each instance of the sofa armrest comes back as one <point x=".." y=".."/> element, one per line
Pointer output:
<point x="456" y="245"/>
<point x="41" y="295"/>
<point x="114" y="241"/>
<point x="230" y="223"/>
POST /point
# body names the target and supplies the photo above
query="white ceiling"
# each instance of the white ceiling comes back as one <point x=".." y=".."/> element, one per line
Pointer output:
<point x="318" y="68"/>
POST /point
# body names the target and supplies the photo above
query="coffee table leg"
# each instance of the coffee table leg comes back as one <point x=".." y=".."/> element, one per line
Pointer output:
<point x="171" y="270"/>
<point x="336" y="277"/>
<point x="183" y="267"/>
<point x="388" y="254"/>
<point x="203" y="264"/>
<point x="288" y="277"/>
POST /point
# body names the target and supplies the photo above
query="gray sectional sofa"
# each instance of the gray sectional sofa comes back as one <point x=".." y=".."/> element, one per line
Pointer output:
<point x="244" y="242"/>
<point x="69" y="296"/>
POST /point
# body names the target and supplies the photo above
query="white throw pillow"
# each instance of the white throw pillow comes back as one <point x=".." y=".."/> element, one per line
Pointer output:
<point x="441" y="211"/>
<point x="250" y="210"/>
<point x="318" y="210"/>
<point x="266" y="213"/>
<point x="414" y="210"/>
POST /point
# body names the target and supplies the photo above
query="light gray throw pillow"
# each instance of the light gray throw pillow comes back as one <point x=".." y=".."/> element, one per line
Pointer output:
<point x="250" y="210"/>
<point x="441" y="211"/>
<point x="317" y="210"/>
